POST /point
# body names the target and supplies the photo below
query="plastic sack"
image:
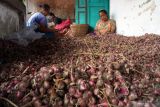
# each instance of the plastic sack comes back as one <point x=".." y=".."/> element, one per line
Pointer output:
<point x="63" y="25"/>
<point x="25" y="36"/>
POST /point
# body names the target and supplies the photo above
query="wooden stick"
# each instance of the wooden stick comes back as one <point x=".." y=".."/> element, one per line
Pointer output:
<point x="10" y="102"/>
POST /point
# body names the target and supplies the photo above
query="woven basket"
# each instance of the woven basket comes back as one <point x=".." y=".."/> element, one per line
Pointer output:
<point x="79" y="29"/>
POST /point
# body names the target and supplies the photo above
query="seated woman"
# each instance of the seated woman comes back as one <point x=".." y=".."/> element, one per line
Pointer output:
<point x="104" y="25"/>
<point x="39" y="19"/>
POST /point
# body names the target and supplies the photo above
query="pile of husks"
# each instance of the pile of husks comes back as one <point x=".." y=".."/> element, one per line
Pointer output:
<point x="110" y="71"/>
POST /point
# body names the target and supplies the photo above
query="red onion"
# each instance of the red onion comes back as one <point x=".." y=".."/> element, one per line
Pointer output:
<point x="81" y="102"/>
<point x="23" y="86"/>
<point x="51" y="71"/>
<point x="92" y="101"/>
<point x="60" y="85"/>
<point x="19" y="94"/>
<point x="66" y="99"/>
<point x="42" y="90"/>
<point x="104" y="104"/>
<point x="91" y="83"/>
<point x="99" y="74"/>
<point x="121" y="104"/>
<point x="120" y="79"/>
<point x="46" y="84"/>
<point x="27" y="99"/>
<point x="80" y="81"/>
<point x="99" y="83"/>
<point x="73" y="101"/>
<point x="133" y="96"/>
<point x="157" y="91"/>
<point x="140" y="104"/>
<point x="93" y="78"/>
<point x="109" y="90"/>
<point x="67" y="81"/>
<point x="46" y="76"/>
<point x="72" y="77"/>
<point x="116" y="65"/>
<point x="157" y="74"/>
<point x="72" y="91"/>
<point x="55" y="69"/>
<point x="114" y="101"/>
<point x="15" y="81"/>
<point x="92" y="70"/>
<point x="124" y="91"/>
<point x="83" y="85"/>
<point x="149" y="105"/>
<point x="37" y="103"/>
<point x="78" y="94"/>
<point x="158" y="80"/>
<point x="96" y="91"/>
<point x="91" y="105"/>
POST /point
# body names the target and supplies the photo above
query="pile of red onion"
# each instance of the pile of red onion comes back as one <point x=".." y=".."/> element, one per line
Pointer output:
<point x="111" y="71"/>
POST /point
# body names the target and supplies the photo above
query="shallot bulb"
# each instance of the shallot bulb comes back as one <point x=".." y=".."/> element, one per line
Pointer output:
<point x="109" y="90"/>
<point x="82" y="85"/>
<point x="66" y="99"/>
<point x="104" y="104"/>
<point x="81" y="102"/>
<point x="121" y="104"/>
<point x="91" y="83"/>
<point x="99" y="83"/>
<point x="92" y="100"/>
<point x="78" y="94"/>
<point x="55" y="69"/>
<point x="46" y="84"/>
<point x="149" y="105"/>
<point x="72" y="91"/>
<point x="132" y="96"/>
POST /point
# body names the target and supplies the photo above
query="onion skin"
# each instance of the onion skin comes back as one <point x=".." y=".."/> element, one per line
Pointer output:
<point x="121" y="104"/>
<point x="66" y="99"/>
<point x="78" y="94"/>
<point x="105" y="104"/>
<point x="46" y="84"/>
<point x="92" y="100"/>
<point x="132" y="96"/>
<point x="19" y="94"/>
<point x="37" y="103"/>
<point x="92" y="83"/>
<point x="96" y="91"/>
<point x="82" y="85"/>
<point x="81" y="102"/>
<point x="156" y="92"/>
<point x="114" y="101"/>
<point x="72" y="91"/>
<point x="42" y="90"/>
<point x="55" y="69"/>
<point x="108" y="90"/>
<point x="23" y="86"/>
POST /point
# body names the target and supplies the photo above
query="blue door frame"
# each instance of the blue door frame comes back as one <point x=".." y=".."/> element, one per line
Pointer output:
<point x="87" y="11"/>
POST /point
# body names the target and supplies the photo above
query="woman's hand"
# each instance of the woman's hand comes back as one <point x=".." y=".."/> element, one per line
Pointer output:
<point x="97" y="33"/>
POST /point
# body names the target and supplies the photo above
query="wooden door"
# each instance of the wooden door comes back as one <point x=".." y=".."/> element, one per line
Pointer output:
<point x="81" y="11"/>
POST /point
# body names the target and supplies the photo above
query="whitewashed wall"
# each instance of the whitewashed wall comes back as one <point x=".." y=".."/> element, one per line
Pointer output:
<point x="9" y="20"/>
<point x="136" y="17"/>
<point x="31" y="8"/>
